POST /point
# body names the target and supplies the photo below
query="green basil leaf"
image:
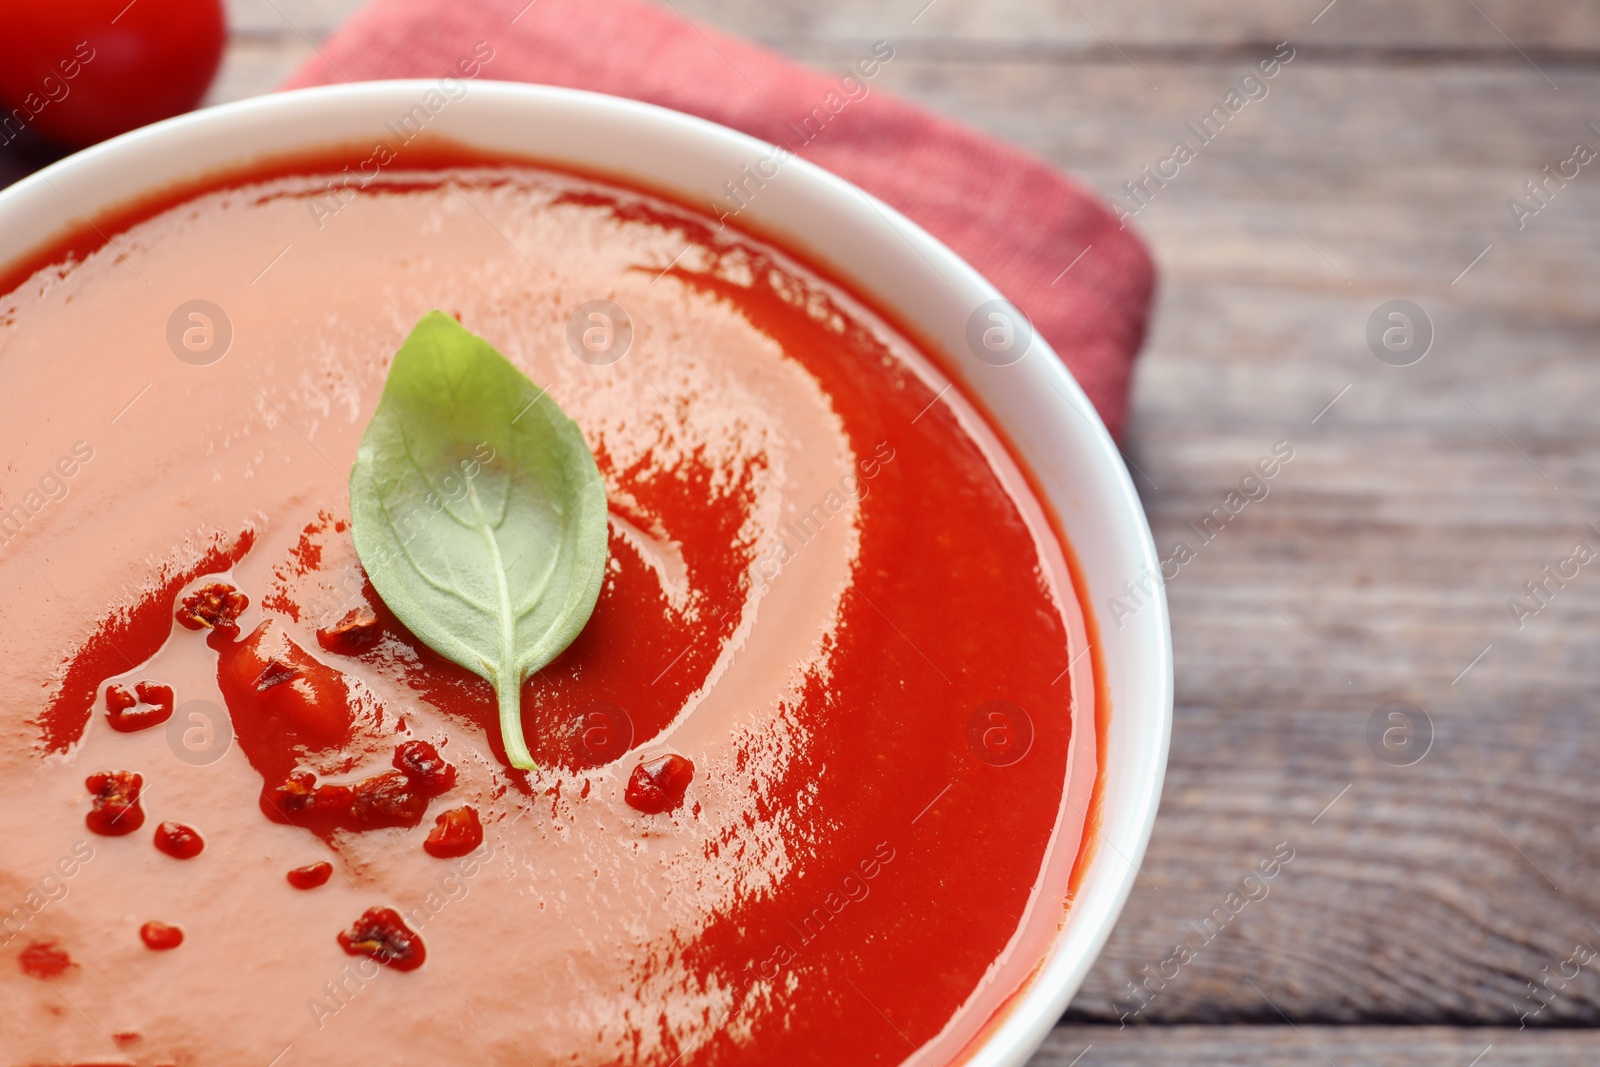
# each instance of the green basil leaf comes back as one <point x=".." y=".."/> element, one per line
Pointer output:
<point x="478" y="512"/>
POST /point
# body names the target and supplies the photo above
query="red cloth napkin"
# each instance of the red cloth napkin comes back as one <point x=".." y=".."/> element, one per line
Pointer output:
<point x="1016" y="219"/>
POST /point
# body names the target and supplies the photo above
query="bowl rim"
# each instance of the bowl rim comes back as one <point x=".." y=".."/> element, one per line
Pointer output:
<point x="1139" y="727"/>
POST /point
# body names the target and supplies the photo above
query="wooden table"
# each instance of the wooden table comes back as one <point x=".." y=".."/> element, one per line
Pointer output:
<point x="1422" y="899"/>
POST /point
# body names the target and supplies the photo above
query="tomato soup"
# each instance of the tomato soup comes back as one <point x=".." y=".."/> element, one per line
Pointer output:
<point x="249" y="816"/>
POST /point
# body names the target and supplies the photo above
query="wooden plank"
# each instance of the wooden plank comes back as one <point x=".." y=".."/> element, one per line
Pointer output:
<point x="1312" y="1046"/>
<point x="1389" y="547"/>
<point x="270" y="38"/>
<point x="1091" y="26"/>
<point x="253" y="66"/>
<point x="313" y="19"/>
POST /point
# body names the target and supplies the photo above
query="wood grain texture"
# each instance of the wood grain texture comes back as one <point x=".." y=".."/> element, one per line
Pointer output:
<point x="1312" y="1046"/>
<point x="1382" y="560"/>
<point x="269" y="38"/>
<point x="1100" y="27"/>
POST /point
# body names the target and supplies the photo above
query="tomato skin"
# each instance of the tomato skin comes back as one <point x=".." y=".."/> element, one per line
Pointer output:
<point x="76" y="76"/>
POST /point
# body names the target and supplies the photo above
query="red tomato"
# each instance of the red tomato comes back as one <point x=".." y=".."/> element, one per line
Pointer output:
<point x="79" y="71"/>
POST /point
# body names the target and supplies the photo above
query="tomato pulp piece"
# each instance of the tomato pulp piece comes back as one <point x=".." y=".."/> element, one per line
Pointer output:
<point x="280" y="695"/>
<point x="179" y="841"/>
<point x="658" y="785"/>
<point x="382" y="935"/>
<point x="454" y="833"/>
<point x="301" y="801"/>
<point x="150" y="704"/>
<point x="356" y="632"/>
<point x="160" y="936"/>
<point x="428" y="771"/>
<point x="115" y="809"/>
<point x="214" y="606"/>
<point x="311" y="875"/>
<point x="386" y="799"/>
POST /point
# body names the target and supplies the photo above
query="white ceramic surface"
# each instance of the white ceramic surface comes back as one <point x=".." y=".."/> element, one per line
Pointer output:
<point x="1036" y="402"/>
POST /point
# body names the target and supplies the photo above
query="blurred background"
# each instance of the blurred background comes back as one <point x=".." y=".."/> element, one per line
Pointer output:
<point x="1386" y="659"/>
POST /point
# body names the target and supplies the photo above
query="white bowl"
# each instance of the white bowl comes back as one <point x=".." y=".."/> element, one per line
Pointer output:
<point x="1036" y="402"/>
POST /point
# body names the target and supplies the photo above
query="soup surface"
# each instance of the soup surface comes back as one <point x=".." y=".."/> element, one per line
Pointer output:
<point x="830" y="590"/>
